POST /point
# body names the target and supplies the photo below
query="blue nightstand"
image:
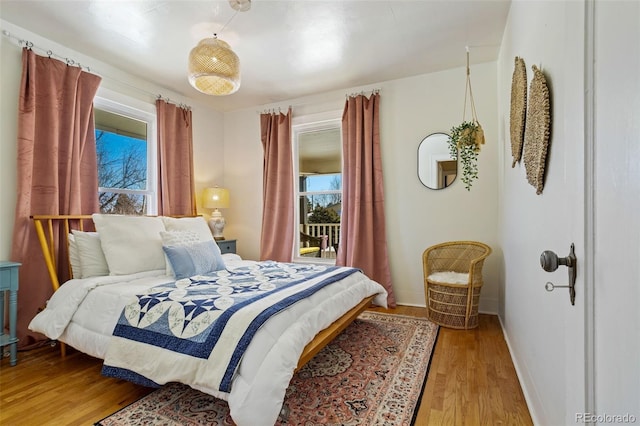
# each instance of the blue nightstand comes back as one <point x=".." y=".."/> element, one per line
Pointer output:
<point x="9" y="282"/>
<point x="227" y="246"/>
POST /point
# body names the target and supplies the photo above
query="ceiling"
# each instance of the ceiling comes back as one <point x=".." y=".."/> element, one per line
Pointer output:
<point x="288" y="49"/>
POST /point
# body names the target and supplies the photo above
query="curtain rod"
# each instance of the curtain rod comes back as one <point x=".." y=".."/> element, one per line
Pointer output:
<point x="279" y="109"/>
<point x="273" y="110"/>
<point x="71" y="62"/>
<point x="363" y="93"/>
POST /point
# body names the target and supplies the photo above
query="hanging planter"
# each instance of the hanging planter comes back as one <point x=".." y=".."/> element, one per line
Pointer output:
<point x="466" y="138"/>
<point x="464" y="142"/>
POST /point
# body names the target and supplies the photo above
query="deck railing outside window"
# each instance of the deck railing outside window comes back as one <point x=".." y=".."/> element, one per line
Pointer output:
<point x="331" y="230"/>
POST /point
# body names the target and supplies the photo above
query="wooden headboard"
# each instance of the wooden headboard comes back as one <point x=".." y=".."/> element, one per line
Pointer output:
<point x="48" y="230"/>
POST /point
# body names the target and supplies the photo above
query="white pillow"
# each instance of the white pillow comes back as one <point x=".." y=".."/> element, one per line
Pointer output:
<point x="131" y="244"/>
<point x="177" y="238"/>
<point x="74" y="256"/>
<point x="90" y="255"/>
<point x="196" y="224"/>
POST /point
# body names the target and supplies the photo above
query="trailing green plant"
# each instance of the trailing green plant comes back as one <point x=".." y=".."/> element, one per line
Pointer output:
<point x="465" y="142"/>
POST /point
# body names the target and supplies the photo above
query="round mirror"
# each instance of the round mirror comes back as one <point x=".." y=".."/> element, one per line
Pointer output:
<point x="436" y="168"/>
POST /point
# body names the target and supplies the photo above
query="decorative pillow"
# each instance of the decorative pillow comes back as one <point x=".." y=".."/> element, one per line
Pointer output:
<point x="74" y="256"/>
<point x="177" y="238"/>
<point x="196" y="224"/>
<point x="194" y="259"/>
<point x="131" y="244"/>
<point x="90" y="255"/>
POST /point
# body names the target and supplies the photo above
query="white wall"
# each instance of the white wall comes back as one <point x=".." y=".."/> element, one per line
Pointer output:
<point x="9" y="84"/>
<point x="417" y="217"/>
<point x="207" y="123"/>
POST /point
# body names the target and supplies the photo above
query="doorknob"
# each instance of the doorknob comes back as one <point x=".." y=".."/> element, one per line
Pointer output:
<point x="550" y="262"/>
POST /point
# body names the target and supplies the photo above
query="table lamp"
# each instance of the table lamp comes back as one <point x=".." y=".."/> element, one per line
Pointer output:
<point x="216" y="198"/>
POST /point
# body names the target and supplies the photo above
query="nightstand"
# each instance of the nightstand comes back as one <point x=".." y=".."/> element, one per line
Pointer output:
<point x="227" y="246"/>
<point x="9" y="282"/>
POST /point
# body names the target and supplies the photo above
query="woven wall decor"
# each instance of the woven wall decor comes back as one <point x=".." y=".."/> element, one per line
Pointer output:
<point x="518" y="109"/>
<point x="537" y="130"/>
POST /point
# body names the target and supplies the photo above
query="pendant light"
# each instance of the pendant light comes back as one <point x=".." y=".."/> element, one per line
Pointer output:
<point x="214" y="69"/>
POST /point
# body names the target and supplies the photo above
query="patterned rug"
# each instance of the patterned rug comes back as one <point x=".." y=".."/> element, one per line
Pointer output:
<point x="373" y="373"/>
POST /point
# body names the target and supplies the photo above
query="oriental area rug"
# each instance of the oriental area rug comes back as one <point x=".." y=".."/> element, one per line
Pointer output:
<point x="373" y="373"/>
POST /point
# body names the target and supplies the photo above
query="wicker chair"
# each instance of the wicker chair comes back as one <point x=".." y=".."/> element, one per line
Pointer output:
<point x="311" y="246"/>
<point x="452" y="282"/>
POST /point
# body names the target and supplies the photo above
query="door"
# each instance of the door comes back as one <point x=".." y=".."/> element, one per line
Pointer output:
<point x="563" y="224"/>
<point x="545" y="332"/>
<point x="617" y="212"/>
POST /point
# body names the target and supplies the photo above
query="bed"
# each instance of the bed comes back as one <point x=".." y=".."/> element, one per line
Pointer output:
<point x="100" y="311"/>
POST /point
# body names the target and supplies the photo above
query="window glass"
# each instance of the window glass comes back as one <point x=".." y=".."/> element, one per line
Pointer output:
<point x="125" y="159"/>
<point x="319" y="187"/>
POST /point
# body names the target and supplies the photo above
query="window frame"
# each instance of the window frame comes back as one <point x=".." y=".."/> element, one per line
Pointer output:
<point x="136" y="110"/>
<point x="304" y="124"/>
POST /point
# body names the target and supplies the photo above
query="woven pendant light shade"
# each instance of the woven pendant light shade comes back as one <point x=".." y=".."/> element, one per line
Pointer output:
<point x="214" y="69"/>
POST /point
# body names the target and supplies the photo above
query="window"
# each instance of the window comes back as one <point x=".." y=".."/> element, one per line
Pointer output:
<point x="126" y="149"/>
<point x="318" y="167"/>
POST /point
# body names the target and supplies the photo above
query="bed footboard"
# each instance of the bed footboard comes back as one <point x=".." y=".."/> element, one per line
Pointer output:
<point x="323" y="338"/>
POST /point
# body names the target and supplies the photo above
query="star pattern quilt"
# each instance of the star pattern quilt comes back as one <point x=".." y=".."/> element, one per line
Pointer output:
<point x="210" y="317"/>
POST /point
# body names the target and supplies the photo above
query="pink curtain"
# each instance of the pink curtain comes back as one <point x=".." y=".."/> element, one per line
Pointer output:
<point x="363" y="240"/>
<point x="56" y="167"/>
<point x="276" y="242"/>
<point x="176" y="187"/>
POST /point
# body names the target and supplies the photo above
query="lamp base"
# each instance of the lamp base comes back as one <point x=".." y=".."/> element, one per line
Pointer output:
<point x="216" y="224"/>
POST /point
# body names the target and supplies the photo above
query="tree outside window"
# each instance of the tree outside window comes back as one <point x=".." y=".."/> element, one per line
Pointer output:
<point x="124" y="157"/>
<point x="319" y="168"/>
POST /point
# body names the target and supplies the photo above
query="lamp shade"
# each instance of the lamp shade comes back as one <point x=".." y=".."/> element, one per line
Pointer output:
<point x="214" y="69"/>
<point x="215" y="198"/>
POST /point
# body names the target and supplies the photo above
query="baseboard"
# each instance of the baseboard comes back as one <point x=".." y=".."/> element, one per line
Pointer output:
<point x="415" y="305"/>
<point x="488" y="306"/>
<point x="519" y="374"/>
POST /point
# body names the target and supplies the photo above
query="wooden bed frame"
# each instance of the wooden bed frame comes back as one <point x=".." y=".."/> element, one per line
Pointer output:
<point x="48" y="229"/>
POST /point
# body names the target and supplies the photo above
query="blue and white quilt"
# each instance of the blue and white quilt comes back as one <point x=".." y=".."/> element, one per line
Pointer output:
<point x="174" y="331"/>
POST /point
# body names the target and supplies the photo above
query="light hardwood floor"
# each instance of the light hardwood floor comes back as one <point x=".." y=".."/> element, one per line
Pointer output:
<point x="471" y="381"/>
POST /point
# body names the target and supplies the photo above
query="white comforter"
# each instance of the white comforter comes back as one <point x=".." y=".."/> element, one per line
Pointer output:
<point x="83" y="314"/>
